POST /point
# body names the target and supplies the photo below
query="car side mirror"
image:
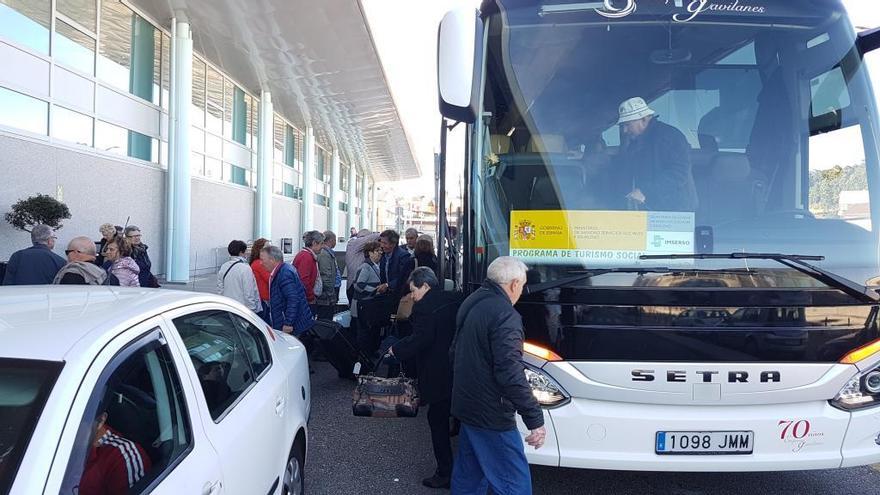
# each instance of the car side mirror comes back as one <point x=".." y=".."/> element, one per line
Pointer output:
<point x="869" y="40"/>
<point x="459" y="61"/>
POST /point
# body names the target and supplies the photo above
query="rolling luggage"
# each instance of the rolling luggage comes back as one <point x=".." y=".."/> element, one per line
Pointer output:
<point x="337" y="346"/>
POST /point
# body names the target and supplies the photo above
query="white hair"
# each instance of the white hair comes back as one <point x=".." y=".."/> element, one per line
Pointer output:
<point x="506" y="269"/>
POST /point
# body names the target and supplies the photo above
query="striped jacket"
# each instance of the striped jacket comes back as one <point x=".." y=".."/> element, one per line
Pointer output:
<point x="114" y="466"/>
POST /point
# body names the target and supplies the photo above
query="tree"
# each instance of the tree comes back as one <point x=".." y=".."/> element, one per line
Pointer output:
<point x="35" y="210"/>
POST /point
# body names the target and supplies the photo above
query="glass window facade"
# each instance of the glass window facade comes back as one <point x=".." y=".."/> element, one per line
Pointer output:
<point x="214" y="115"/>
<point x="74" y="48"/>
<point x="120" y="141"/>
<point x="114" y="44"/>
<point x="72" y="126"/>
<point x="23" y="112"/>
<point x="26" y="23"/>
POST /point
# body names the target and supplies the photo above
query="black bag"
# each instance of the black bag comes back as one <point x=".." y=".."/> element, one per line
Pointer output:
<point x="336" y="346"/>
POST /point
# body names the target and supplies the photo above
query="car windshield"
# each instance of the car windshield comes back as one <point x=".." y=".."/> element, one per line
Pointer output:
<point x="747" y="129"/>
<point x="24" y="387"/>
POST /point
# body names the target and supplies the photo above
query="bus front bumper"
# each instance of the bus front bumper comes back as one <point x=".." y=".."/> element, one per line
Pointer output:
<point x="622" y="436"/>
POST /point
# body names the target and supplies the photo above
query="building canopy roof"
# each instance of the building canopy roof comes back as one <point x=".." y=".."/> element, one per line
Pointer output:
<point x="318" y="60"/>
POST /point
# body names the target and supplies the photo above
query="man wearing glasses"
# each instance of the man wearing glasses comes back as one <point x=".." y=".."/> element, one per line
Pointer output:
<point x="81" y="268"/>
<point x="36" y="265"/>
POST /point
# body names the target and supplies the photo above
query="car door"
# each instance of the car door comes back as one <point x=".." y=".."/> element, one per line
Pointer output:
<point x="139" y="408"/>
<point x="243" y="396"/>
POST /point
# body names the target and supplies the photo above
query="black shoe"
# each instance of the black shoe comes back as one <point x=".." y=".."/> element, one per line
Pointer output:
<point x="436" y="481"/>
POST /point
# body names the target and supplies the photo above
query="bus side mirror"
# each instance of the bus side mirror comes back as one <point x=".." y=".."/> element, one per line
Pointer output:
<point x="869" y="40"/>
<point x="459" y="60"/>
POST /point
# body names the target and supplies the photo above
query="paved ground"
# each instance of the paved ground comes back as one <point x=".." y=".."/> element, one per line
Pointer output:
<point x="349" y="455"/>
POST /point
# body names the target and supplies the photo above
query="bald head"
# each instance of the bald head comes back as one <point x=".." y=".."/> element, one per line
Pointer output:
<point x="81" y="249"/>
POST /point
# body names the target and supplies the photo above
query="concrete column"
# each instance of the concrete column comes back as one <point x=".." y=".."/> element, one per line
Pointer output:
<point x="178" y="187"/>
<point x="365" y="218"/>
<point x="308" y="176"/>
<point x="265" y="169"/>
<point x="352" y="218"/>
<point x="333" y="224"/>
<point x="373" y="207"/>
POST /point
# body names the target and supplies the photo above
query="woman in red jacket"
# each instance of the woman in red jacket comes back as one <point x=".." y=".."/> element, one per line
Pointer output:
<point x="262" y="276"/>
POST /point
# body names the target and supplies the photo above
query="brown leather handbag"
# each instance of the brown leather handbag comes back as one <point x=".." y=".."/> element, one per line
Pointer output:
<point x="380" y="397"/>
<point x="405" y="307"/>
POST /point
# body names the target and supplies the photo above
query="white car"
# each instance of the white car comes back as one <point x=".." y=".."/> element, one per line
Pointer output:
<point x="145" y="390"/>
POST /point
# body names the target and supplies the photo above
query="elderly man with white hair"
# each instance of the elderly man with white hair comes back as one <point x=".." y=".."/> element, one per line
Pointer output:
<point x="489" y="387"/>
<point x="36" y="265"/>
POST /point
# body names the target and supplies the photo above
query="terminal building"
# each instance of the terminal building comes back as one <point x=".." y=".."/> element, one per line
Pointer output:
<point x="199" y="121"/>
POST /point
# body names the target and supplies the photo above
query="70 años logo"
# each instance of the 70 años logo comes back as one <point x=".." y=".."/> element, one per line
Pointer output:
<point x="694" y="8"/>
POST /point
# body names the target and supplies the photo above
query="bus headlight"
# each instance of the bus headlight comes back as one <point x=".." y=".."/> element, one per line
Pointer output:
<point x="862" y="390"/>
<point x="547" y="392"/>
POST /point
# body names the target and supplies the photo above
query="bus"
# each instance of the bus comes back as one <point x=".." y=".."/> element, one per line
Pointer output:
<point x="724" y="318"/>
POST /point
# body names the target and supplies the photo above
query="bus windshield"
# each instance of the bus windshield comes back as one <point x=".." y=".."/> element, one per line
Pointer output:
<point x="608" y="134"/>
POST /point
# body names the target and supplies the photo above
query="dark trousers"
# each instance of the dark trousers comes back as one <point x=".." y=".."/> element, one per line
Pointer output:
<point x="367" y="336"/>
<point x="489" y="458"/>
<point x="438" y="421"/>
<point x="325" y="312"/>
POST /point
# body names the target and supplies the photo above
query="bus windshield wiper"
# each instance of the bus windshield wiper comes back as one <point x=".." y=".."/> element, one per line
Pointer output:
<point x="553" y="284"/>
<point x="795" y="261"/>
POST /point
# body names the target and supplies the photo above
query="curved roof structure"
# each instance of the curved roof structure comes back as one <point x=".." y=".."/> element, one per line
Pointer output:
<point x="318" y="60"/>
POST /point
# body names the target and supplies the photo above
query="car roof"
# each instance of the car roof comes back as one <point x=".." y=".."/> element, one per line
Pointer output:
<point x="45" y="322"/>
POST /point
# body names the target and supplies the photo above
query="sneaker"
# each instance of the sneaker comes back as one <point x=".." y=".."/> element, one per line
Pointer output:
<point x="436" y="481"/>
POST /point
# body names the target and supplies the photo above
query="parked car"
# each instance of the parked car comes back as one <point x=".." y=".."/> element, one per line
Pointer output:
<point x="142" y="391"/>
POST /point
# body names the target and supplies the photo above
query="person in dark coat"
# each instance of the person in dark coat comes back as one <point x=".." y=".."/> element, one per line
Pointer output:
<point x="141" y="257"/>
<point x="655" y="161"/>
<point x="489" y="387"/>
<point x="433" y="323"/>
<point x="108" y="233"/>
<point x="37" y="264"/>
<point x="288" y="309"/>
<point x="424" y="253"/>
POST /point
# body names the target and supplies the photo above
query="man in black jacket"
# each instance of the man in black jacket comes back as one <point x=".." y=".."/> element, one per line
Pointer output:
<point x="37" y="264"/>
<point x="489" y="387"/>
<point x="433" y="323"/>
<point x="655" y="160"/>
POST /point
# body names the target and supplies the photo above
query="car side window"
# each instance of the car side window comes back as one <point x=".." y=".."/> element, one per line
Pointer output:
<point x="254" y="344"/>
<point x="215" y="348"/>
<point x="136" y="426"/>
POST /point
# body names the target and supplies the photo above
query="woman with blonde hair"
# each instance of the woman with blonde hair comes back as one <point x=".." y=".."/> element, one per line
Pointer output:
<point x="119" y="262"/>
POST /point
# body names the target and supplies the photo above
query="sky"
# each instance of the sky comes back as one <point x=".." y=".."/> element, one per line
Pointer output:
<point x="406" y="39"/>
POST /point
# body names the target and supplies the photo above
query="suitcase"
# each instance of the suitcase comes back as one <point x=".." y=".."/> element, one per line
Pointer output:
<point x="337" y="346"/>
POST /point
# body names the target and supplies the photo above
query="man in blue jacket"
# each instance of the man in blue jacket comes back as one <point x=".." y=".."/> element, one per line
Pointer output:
<point x="36" y="265"/>
<point x="396" y="265"/>
<point x="288" y="309"/>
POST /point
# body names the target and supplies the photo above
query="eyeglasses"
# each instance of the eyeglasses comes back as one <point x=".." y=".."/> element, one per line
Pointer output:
<point x="134" y="235"/>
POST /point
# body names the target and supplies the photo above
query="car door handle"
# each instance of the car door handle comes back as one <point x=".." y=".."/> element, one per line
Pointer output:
<point x="279" y="406"/>
<point x="212" y="488"/>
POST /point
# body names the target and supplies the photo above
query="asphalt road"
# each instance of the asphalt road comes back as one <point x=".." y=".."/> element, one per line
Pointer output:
<point x="349" y="455"/>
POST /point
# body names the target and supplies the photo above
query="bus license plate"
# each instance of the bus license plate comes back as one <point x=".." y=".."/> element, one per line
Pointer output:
<point x="705" y="442"/>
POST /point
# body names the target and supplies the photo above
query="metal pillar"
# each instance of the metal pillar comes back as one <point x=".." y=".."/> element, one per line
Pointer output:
<point x="366" y="221"/>
<point x="373" y="212"/>
<point x="178" y="185"/>
<point x="307" y="211"/>
<point x="265" y="169"/>
<point x="333" y="224"/>
<point x="352" y="218"/>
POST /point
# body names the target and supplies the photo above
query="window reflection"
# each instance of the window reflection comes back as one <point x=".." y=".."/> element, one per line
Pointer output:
<point x="214" y="117"/>
<point x="198" y="93"/>
<point x="166" y="70"/>
<point x="253" y="115"/>
<point x="23" y="112"/>
<point x="279" y="139"/>
<point x="213" y="168"/>
<point x="110" y="138"/>
<point x="228" y="110"/>
<point x="26" y="22"/>
<point x="71" y="126"/>
<point x="74" y="48"/>
<point x="197" y="164"/>
<point x="114" y="44"/>
<point x="213" y="145"/>
<point x="83" y="12"/>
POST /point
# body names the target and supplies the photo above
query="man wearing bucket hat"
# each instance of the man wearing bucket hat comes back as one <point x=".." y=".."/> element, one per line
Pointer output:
<point x="655" y="160"/>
